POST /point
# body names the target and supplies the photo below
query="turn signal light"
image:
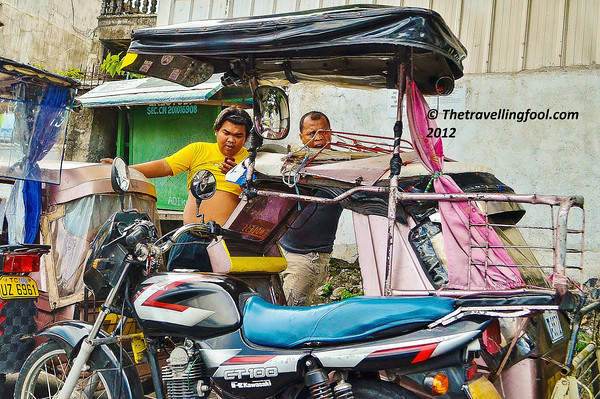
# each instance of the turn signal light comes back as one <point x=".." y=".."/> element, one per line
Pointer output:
<point x="22" y="263"/>
<point x="437" y="384"/>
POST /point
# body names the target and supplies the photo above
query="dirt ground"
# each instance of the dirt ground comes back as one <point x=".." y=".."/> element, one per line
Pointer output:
<point x="344" y="282"/>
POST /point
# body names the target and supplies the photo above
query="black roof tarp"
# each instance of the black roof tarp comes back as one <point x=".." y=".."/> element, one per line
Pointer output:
<point x="360" y="45"/>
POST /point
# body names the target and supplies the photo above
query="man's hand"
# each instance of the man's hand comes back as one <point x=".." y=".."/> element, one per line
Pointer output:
<point x="158" y="168"/>
<point x="227" y="165"/>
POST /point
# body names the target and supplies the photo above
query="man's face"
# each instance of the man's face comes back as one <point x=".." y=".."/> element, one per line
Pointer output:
<point x="310" y="130"/>
<point x="231" y="138"/>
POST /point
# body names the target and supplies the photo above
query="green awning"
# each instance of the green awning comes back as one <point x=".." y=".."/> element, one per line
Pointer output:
<point x="157" y="91"/>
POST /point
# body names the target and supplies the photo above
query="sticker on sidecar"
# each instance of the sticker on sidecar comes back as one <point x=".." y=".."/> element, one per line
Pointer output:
<point x="553" y="325"/>
<point x="17" y="287"/>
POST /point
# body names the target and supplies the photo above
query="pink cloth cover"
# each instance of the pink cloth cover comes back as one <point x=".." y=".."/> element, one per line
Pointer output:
<point x="455" y="215"/>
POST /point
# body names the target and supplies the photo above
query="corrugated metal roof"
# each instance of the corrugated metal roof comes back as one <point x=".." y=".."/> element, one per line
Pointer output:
<point x="150" y="91"/>
<point x="475" y="34"/>
<point x="582" y="33"/>
<point x="545" y="35"/>
<point x="508" y="35"/>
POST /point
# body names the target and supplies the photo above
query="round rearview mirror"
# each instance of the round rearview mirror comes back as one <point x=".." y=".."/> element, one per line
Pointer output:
<point x="271" y="112"/>
<point x="119" y="176"/>
<point x="204" y="185"/>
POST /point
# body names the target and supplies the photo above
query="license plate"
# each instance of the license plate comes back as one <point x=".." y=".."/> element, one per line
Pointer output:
<point x="17" y="287"/>
<point x="553" y="325"/>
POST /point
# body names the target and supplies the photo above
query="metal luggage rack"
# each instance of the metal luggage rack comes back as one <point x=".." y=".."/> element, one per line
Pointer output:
<point x="559" y="254"/>
<point x="564" y="276"/>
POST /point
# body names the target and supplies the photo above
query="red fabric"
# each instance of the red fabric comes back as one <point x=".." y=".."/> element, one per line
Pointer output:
<point x="455" y="215"/>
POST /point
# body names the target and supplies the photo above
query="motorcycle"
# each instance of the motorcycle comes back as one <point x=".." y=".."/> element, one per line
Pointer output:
<point x="217" y="330"/>
<point x="421" y="337"/>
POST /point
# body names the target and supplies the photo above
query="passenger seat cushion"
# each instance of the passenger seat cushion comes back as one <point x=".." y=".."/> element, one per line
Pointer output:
<point x="349" y="320"/>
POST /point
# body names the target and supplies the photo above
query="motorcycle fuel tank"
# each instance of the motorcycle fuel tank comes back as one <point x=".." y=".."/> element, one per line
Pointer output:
<point x="194" y="305"/>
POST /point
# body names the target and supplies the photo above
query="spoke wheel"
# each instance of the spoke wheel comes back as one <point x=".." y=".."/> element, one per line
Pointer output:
<point x="45" y="371"/>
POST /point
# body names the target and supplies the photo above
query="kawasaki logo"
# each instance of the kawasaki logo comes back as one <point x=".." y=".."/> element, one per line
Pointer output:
<point x="254" y="384"/>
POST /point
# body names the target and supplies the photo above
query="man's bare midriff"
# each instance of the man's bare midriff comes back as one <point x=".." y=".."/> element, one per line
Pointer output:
<point x="218" y="208"/>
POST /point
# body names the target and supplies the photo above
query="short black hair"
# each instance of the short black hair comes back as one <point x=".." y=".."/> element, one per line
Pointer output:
<point x="315" y="116"/>
<point x="235" y="115"/>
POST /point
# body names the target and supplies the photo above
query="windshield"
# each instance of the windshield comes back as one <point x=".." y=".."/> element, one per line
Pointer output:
<point x="70" y="230"/>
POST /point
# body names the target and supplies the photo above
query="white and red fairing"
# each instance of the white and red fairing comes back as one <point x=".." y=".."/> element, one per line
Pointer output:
<point x="149" y="306"/>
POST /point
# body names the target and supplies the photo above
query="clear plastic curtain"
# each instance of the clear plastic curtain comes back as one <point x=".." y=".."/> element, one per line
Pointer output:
<point x="458" y="216"/>
<point x="25" y="203"/>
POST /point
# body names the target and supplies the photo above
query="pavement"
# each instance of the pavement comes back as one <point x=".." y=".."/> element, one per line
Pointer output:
<point x="9" y="386"/>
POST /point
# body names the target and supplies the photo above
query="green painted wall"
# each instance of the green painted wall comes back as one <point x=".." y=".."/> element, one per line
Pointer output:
<point x="159" y="131"/>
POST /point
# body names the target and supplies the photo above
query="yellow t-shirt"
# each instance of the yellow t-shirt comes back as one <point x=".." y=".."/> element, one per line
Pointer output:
<point x="197" y="156"/>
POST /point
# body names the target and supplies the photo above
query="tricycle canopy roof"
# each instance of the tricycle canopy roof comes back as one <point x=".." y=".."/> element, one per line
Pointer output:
<point x="12" y="70"/>
<point x="360" y="45"/>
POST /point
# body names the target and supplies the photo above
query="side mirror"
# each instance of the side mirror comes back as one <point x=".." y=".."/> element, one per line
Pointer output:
<point x="203" y="187"/>
<point x="119" y="176"/>
<point x="271" y="112"/>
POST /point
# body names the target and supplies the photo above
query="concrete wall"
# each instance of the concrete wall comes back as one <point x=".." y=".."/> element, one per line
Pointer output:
<point x="56" y="34"/>
<point x="546" y="157"/>
<point x="92" y="135"/>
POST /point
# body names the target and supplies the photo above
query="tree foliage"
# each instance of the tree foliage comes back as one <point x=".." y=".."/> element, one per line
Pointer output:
<point x="112" y="65"/>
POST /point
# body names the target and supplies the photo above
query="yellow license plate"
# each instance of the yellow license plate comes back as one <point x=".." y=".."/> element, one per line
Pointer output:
<point x="17" y="287"/>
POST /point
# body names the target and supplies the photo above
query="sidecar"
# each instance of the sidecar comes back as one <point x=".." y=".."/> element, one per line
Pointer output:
<point x="34" y="111"/>
<point x="424" y="224"/>
<point x="73" y="212"/>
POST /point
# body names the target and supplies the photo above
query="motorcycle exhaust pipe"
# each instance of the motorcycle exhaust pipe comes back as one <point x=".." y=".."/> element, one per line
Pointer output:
<point x="444" y="85"/>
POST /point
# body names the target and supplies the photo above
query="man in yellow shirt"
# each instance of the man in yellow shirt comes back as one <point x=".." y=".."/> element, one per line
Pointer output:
<point x="231" y="130"/>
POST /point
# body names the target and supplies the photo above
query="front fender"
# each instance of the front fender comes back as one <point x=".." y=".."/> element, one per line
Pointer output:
<point x="67" y="333"/>
<point x="117" y="366"/>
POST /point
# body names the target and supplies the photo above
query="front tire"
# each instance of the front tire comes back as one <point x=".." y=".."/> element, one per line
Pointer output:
<point x="46" y="369"/>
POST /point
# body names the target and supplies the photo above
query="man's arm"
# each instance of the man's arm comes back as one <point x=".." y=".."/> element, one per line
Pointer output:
<point x="158" y="168"/>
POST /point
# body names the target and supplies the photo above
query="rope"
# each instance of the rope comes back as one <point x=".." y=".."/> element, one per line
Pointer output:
<point x="433" y="177"/>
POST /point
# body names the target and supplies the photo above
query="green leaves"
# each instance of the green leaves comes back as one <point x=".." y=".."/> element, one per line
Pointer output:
<point x="71" y="72"/>
<point x="112" y="66"/>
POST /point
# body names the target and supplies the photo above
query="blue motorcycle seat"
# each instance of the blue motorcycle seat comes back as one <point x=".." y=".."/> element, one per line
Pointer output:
<point x="349" y="320"/>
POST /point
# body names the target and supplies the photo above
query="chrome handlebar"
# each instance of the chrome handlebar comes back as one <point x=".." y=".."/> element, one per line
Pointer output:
<point x="211" y="229"/>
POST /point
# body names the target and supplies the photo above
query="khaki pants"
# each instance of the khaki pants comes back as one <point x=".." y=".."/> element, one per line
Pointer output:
<point x="304" y="274"/>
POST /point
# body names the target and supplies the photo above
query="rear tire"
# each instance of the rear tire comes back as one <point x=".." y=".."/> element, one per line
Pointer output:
<point x="377" y="389"/>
